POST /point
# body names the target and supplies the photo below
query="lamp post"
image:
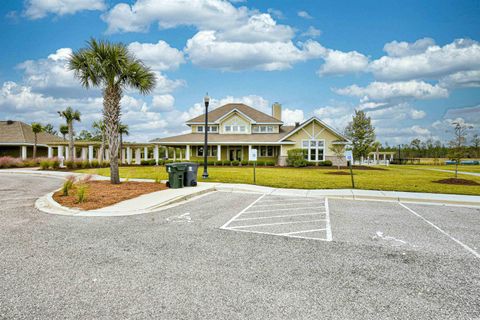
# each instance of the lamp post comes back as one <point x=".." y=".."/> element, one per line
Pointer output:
<point x="205" y="129"/>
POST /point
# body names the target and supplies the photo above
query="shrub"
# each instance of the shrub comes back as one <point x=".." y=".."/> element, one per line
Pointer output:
<point x="9" y="162"/>
<point x="94" y="164"/>
<point x="55" y="164"/>
<point x="84" y="164"/>
<point x="226" y="162"/>
<point x="270" y="163"/>
<point x="244" y="163"/>
<point x="211" y="162"/>
<point x="105" y="164"/>
<point x="296" y="158"/>
<point x="44" y="164"/>
<point x="235" y="163"/>
<point x="150" y="162"/>
<point x="67" y="185"/>
<point x="326" y="163"/>
<point x="81" y="193"/>
<point x="70" y="164"/>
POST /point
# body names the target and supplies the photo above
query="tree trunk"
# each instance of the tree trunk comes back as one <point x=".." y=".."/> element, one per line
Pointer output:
<point x="35" y="146"/>
<point x="111" y="118"/>
<point x="101" y="152"/>
<point x="70" y="142"/>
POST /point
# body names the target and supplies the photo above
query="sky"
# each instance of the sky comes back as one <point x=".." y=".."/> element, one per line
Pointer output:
<point x="413" y="66"/>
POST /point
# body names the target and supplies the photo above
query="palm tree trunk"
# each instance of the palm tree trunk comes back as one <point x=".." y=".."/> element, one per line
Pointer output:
<point x="111" y="118"/>
<point x="70" y="141"/>
<point x="35" y="146"/>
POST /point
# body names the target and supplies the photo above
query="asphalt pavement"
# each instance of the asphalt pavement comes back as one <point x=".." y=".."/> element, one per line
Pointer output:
<point x="384" y="261"/>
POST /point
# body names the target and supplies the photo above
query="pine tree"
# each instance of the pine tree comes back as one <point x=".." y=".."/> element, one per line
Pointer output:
<point x="361" y="133"/>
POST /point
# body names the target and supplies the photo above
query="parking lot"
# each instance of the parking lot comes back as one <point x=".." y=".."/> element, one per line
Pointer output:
<point x="239" y="256"/>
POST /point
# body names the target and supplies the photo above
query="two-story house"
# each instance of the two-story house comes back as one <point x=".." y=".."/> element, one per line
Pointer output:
<point x="235" y="128"/>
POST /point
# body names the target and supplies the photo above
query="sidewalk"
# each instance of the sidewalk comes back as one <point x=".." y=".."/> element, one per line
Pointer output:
<point x="163" y="199"/>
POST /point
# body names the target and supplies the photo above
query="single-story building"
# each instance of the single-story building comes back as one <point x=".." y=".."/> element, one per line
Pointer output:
<point x="17" y="140"/>
<point x="235" y="128"/>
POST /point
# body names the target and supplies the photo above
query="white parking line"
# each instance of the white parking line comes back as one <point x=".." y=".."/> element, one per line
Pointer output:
<point x="281" y="216"/>
<point x="327" y="223"/>
<point x="475" y="253"/>
<point x="276" y="234"/>
<point x="251" y="204"/>
<point x="256" y="211"/>
<point x="273" y="224"/>
<point x="285" y="204"/>
<point x="303" y="231"/>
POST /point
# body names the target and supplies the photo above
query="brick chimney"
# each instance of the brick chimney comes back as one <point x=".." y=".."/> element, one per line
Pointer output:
<point x="277" y="111"/>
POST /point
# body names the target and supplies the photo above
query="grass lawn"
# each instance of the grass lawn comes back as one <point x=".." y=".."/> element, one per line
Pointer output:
<point x="465" y="168"/>
<point x="393" y="178"/>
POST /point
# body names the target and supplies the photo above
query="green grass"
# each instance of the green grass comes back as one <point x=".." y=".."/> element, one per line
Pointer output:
<point x="394" y="178"/>
<point x="465" y="168"/>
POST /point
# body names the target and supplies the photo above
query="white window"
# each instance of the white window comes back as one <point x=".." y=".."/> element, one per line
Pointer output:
<point x="270" y="129"/>
<point x="315" y="150"/>
<point x="200" y="129"/>
<point x="263" y="129"/>
<point x="228" y="128"/>
<point x="266" y="151"/>
<point x="242" y="128"/>
<point x="213" y="128"/>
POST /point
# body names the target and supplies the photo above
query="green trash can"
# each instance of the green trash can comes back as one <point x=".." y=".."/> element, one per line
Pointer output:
<point x="176" y="175"/>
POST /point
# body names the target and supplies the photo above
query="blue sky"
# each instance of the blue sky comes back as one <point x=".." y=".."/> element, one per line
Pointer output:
<point x="413" y="66"/>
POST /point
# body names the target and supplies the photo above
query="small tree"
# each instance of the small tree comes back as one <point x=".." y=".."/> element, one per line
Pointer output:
<point x="296" y="158"/>
<point x="457" y="144"/>
<point x="122" y="130"/>
<point x="48" y="128"/>
<point x="476" y="145"/>
<point x="36" y="128"/>
<point x="70" y="116"/>
<point x="361" y="133"/>
<point x="338" y="151"/>
<point x="63" y="130"/>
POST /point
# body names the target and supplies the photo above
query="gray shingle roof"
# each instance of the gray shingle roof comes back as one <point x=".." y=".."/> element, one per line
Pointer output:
<point x="17" y="132"/>
<point x="252" y="113"/>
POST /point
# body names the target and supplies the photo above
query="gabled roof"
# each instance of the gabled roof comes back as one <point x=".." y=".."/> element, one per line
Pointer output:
<point x="17" y="132"/>
<point x="198" y="138"/>
<point x="220" y="112"/>
<point x="305" y="123"/>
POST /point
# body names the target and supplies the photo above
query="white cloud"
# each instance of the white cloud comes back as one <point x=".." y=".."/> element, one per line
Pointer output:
<point x="159" y="56"/>
<point x="465" y="79"/>
<point x="37" y="9"/>
<point x="312" y="32"/>
<point x="391" y="114"/>
<point x="339" y="62"/>
<point x="203" y="14"/>
<point x="378" y="91"/>
<point x="432" y="62"/>
<point x="164" y="102"/>
<point x="206" y="50"/>
<point x="336" y="116"/>
<point x="470" y="113"/>
<point x="403" y="49"/>
<point x="290" y="117"/>
<point x="304" y="14"/>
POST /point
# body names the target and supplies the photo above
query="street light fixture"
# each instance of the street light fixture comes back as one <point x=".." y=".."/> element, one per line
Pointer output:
<point x="206" y="100"/>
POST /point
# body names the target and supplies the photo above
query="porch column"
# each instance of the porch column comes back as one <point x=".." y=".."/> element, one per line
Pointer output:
<point x="67" y="153"/>
<point x="84" y="154"/>
<point x="129" y="155"/>
<point x="174" y="154"/>
<point x="145" y="153"/>
<point x="60" y="151"/>
<point x="166" y="153"/>
<point x="122" y="155"/>
<point x="138" y="156"/>
<point x="249" y="151"/>
<point x="50" y="152"/>
<point x="107" y="154"/>
<point x="74" y="153"/>
<point x="155" y="154"/>
<point x="24" y="152"/>
<point x="187" y="152"/>
<point x="219" y="152"/>
<point x="90" y="154"/>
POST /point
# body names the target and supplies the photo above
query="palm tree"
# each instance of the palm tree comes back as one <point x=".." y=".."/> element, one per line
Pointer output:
<point x="70" y="115"/>
<point x="113" y="68"/>
<point x="36" y="128"/>
<point x="100" y="126"/>
<point x="122" y="130"/>
<point x="63" y="130"/>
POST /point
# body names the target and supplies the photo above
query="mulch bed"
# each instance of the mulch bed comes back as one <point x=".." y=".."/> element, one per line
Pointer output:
<point x="340" y="173"/>
<point x="101" y="194"/>
<point x="462" y="182"/>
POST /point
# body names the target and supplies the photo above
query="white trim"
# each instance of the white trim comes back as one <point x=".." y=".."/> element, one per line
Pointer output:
<point x="275" y="223"/>
<point x="226" y="143"/>
<point x="281" y="216"/>
<point x="23" y="144"/>
<point x="316" y="148"/>
<point x="232" y="111"/>
<point x="308" y="122"/>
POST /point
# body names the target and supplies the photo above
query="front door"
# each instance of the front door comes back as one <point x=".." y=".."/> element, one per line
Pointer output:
<point x="235" y="153"/>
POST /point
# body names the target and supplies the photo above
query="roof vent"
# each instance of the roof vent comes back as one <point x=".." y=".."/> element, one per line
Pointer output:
<point x="10" y="121"/>
<point x="297" y="124"/>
